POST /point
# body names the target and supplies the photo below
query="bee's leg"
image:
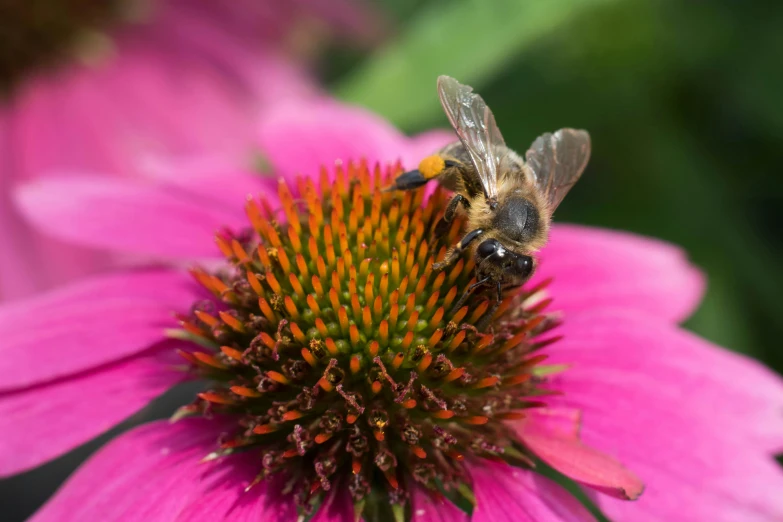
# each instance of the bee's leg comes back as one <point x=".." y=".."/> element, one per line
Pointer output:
<point x="453" y="254"/>
<point x="410" y="180"/>
<point x="429" y="168"/>
<point x="464" y="297"/>
<point x="491" y="310"/>
<point x="451" y="211"/>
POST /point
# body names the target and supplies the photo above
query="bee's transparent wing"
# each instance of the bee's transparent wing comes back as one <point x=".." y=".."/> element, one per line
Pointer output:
<point x="556" y="161"/>
<point x="475" y="125"/>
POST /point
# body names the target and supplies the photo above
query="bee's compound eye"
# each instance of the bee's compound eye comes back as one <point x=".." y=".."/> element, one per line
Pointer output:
<point x="524" y="266"/>
<point x="487" y="248"/>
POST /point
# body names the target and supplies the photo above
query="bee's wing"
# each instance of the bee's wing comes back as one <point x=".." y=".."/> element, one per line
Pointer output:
<point x="556" y="161"/>
<point x="475" y="125"/>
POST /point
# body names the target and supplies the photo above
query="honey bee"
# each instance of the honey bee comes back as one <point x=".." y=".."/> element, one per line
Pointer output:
<point x="509" y="200"/>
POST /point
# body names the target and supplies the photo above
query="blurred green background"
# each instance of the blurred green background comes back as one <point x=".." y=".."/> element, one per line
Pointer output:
<point x="683" y="101"/>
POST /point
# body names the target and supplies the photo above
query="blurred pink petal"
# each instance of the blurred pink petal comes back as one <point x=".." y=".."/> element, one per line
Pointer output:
<point x="176" y="209"/>
<point x="189" y="77"/>
<point x="507" y="493"/>
<point x="88" y="324"/>
<point x="599" y="268"/>
<point x="426" y="144"/>
<point x="74" y="409"/>
<point x="25" y="259"/>
<point x="140" y="216"/>
<point x="353" y="20"/>
<point x="298" y="138"/>
<point x="209" y="179"/>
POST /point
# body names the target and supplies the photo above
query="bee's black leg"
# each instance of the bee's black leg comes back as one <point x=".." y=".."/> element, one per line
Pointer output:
<point x="453" y="254"/>
<point x="464" y="297"/>
<point x="429" y="168"/>
<point x="410" y="180"/>
<point x="491" y="311"/>
<point x="451" y="211"/>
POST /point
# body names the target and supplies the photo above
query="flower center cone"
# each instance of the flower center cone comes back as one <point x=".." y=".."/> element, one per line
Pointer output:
<point x="347" y="361"/>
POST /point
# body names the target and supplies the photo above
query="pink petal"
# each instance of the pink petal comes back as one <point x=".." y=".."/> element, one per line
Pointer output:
<point x="227" y="501"/>
<point x="47" y="420"/>
<point x="190" y="80"/>
<point x="353" y="19"/>
<point x="224" y="496"/>
<point x="595" y="268"/>
<point x="564" y="422"/>
<point x="504" y="493"/>
<point x="613" y="350"/>
<point x="23" y="266"/>
<point x="191" y="76"/>
<point x="270" y="22"/>
<point x="426" y="144"/>
<point x="150" y="473"/>
<point x="299" y="138"/>
<point x="337" y="507"/>
<point x="88" y="324"/>
<point x="426" y="509"/>
<point x="559" y="446"/>
<point x="131" y="216"/>
<point x="212" y="179"/>
<point x="697" y="423"/>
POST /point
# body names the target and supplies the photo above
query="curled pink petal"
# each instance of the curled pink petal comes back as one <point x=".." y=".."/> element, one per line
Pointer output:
<point x="88" y="324"/>
<point x="595" y="268"/>
<point x="69" y="412"/>
<point x="504" y="493"/>
<point x="694" y="420"/>
<point x="560" y="447"/>
<point x="564" y="422"/>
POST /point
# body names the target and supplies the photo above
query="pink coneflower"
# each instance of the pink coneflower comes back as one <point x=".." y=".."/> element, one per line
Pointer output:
<point x="186" y="76"/>
<point x="339" y="381"/>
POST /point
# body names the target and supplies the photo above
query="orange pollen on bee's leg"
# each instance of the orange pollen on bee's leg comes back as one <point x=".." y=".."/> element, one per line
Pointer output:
<point x="431" y="166"/>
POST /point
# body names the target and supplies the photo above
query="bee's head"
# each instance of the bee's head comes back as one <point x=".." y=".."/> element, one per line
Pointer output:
<point x="493" y="259"/>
